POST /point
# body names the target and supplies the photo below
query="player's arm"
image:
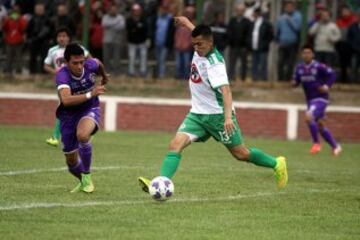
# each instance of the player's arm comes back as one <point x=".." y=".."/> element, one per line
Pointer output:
<point x="101" y="72"/>
<point x="296" y="79"/>
<point x="49" y="69"/>
<point x="229" y="126"/>
<point x="184" y="21"/>
<point x="330" y="78"/>
<point x="71" y="100"/>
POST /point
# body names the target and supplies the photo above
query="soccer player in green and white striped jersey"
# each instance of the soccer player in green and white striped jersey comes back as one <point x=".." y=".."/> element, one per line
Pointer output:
<point x="212" y="113"/>
<point x="52" y="63"/>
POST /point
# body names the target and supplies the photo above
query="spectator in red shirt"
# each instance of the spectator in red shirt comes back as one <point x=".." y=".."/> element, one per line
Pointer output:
<point x="14" y="34"/>
<point x="343" y="47"/>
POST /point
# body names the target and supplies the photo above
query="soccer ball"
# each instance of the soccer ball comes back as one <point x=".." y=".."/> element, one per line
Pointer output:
<point x="161" y="188"/>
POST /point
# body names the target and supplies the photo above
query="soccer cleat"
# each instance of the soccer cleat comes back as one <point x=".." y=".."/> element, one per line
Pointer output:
<point x="281" y="174"/>
<point x="144" y="184"/>
<point x="53" y="142"/>
<point x="315" y="149"/>
<point x="77" y="188"/>
<point x="336" y="151"/>
<point x="86" y="183"/>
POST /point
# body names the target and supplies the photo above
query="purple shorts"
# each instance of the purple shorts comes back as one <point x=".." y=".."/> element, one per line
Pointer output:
<point x="316" y="108"/>
<point x="68" y="127"/>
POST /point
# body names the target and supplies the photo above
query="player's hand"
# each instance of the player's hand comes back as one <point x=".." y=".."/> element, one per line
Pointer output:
<point x="105" y="79"/>
<point x="324" y="89"/>
<point x="98" y="90"/>
<point x="229" y="127"/>
<point x="181" y="21"/>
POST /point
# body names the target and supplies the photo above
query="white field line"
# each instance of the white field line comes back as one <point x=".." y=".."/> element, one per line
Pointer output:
<point x="61" y="169"/>
<point x="125" y="167"/>
<point x="37" y="205"/>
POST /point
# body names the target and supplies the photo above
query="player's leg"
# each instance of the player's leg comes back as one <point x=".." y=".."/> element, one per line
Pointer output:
<point x="310" y="117"/>
<point x="87" y="126"/>
<point x="235" y="145"/>
<point x="55" y="139"/>
<point x="84" y="130"/>
<point x="70" y="149"/>
<point x="75" y="167"/>
<point x="189" y="131"/>
<point x="326" y="134"/>
<point x="262" y="159"/>
<point x="172" y="158"/>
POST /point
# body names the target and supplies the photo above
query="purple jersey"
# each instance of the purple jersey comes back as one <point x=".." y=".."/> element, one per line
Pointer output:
<point x="78" y="85"/>
<point x="312" y="77"/>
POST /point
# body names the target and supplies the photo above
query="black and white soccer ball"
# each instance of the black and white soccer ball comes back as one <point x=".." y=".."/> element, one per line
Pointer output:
<point x="161" y="188"/>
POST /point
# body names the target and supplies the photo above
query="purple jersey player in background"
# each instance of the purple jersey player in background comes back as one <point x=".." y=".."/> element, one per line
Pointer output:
<point x="79" y="111"/>
<point x="316" y="80"/>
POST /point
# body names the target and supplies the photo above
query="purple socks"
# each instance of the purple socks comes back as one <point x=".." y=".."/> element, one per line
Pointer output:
<point x="325" y="133"/>
<point x="314" y="131"/>
<point x="85" y="152"/>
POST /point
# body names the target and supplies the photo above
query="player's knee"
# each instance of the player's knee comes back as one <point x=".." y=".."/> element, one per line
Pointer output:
<point x="241" y="154"/>
<point x="175" y="145"/>
<point x="308" y="118"/>
<point x="82" y="136"/>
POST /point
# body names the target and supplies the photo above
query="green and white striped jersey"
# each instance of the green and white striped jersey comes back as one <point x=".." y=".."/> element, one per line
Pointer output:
<point x="207" y="75"/>
<point x="55" y="56"/>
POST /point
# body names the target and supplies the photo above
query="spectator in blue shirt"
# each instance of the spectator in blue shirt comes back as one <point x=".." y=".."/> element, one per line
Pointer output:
<point x="288" y="29"/>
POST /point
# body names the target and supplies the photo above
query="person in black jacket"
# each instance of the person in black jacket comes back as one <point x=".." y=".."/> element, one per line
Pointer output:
<point x="219" y="30"/>
<point x="353" y="36"/>
<point x="261" y="36"/>
<point x="239" y="32"/>
<point x="137" y="34"/>
<point x="38" y="36"/>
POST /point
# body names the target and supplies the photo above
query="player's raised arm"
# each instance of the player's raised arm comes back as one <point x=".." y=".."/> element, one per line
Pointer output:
<point x="105" y="77"/>
<point x="184" y="21"/>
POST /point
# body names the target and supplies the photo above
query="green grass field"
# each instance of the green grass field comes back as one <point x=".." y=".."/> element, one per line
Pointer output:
<point x="215" y="197"/>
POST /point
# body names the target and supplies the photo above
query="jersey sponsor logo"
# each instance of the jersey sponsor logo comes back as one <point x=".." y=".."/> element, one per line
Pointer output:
<point x="194" y="75"/>
<point x="60" y="62"/>
<point x="92" y="77"/>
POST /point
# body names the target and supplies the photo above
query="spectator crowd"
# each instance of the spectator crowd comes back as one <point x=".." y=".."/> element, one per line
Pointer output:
<point x="126" y="34"/>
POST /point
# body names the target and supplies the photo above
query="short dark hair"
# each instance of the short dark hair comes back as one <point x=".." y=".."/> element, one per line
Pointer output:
<point x="307" y="46"/>
<point x="257" y="11"/>
<point x="73" y="49"/>
<point x="61" y="30"/>
<point x="202" y="30"/>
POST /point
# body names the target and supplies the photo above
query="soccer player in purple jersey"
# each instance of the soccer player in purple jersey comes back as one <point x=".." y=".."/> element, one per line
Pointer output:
<point x="316" y="80"/>
<point x="79" y="111"/>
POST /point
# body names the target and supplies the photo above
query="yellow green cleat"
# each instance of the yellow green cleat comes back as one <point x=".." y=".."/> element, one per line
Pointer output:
<point x="144" y="184"/>
<point x="77" y="188"/>
<point x="281" y="174"/>
<point x="53" y="142"/>
<point x="86" y="183"/>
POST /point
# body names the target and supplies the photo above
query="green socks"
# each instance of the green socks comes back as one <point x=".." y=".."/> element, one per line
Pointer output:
<point x="170" y="164"/>
<point x="57" y="133"/>
<point x="259" y="158"/>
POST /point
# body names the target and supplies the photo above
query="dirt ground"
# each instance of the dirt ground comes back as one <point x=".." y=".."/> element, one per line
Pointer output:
<point x="341" y="94"/>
